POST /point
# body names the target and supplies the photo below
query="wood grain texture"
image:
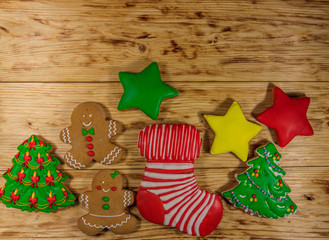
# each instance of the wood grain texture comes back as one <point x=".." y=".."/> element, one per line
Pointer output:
<point x="57" y="54"/>
<point x="192" y="40"/>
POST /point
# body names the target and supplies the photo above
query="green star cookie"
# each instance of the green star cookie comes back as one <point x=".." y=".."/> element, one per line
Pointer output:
<point x="145" y="90"/>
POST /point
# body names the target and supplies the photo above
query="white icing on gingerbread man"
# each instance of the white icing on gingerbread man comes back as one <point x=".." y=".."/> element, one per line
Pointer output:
<point x="89" y="136"/>
<point x="107" y="204"/>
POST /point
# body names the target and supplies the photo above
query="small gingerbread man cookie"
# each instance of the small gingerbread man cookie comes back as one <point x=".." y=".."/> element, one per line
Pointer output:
<point x="89" y="136"/>
<point x="107" y="203"/>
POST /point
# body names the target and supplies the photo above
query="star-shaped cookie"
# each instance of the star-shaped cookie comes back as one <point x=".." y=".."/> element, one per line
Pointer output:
<point x="145" y="90"/>
<point x="232" y="132"/>
<point x="287" y="116"/>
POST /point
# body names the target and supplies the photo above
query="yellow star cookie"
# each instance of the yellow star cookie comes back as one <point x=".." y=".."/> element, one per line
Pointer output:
<point x="232" y="132"/>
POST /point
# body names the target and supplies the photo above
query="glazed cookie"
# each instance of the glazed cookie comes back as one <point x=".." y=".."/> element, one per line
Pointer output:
<point x="169" y="194"/>
<point x="107" y="203"/>
<point x="33" y="181"/>
<point x="261" y="189"/>
<point x="287" y="116"/>
<point x="89" y="136"/>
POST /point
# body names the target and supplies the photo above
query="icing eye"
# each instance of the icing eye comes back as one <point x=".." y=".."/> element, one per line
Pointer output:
<point x="98" y="187"/>
<point x="83" y="115"/>
<point x="102" y="182"/>
<point x="113" y="188"/>
<point x="90" y="115"/>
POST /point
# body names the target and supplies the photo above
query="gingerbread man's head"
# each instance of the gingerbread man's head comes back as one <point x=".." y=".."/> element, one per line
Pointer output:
<point x="107" y="181"/>
<point x="87" y="114"/>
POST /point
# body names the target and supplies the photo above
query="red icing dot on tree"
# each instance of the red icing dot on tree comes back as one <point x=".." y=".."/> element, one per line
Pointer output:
<point x="33" y="177"/>
<point x="269" y="186"/>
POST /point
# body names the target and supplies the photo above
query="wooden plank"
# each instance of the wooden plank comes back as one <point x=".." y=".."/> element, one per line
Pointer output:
<point x="84" y="40"/>
<point x="45" y="109"/>
<point x="309" y="191"/>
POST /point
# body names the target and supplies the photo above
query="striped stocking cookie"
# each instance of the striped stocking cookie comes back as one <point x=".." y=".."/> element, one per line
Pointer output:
<point x="168" y="193"/>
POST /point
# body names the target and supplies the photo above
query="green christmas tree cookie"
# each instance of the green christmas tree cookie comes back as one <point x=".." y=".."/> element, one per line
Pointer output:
<point x="34" y="182"/>
<point x="261" y="189"/>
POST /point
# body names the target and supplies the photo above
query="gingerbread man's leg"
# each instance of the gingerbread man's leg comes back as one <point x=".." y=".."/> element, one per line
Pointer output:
<point x="113" y="154"/>
<point x="127" y="227"/>
<point x="86" y="227"/>
<point x="72" y="161"/>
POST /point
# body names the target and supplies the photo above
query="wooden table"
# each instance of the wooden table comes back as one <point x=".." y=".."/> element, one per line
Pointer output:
<point x="57" y="54"/>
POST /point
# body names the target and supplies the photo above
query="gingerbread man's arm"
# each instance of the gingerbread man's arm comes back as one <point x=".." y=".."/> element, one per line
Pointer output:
<point x="114" y="128"/>
<point x="84" y="199"/>
<point x="128" y="198"/>
<point x="65" y="135"/>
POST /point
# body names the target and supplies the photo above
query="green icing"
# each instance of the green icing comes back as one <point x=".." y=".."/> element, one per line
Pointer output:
<point x="261" y="189"/>
<point x="145" y="90"/>
<point x="33" y="181"/>
<point x="106" y="206"/>
<point x="113" y="175"/>
<point x="106" y="199"/>
<point x="90" y="131"/>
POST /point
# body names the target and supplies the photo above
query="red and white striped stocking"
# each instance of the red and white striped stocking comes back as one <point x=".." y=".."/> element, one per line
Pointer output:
<point x="169" y="194"/>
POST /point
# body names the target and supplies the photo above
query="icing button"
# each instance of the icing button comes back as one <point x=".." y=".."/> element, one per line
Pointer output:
<point x="90" y="146"/>
<point x="106" y="207"/>
<point x="106" y="199"/>
<point x="91" y="153"/>
<point x="89" y="139"/>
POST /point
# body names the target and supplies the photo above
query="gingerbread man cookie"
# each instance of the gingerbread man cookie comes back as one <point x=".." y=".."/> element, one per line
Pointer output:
<point x="107" y="203"/>
<point x="89" y="136"/>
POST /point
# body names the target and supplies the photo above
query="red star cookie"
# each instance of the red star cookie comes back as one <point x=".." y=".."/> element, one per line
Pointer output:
<point x="287" y="116"/>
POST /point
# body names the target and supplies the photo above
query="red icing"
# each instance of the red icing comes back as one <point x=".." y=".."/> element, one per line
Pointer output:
<point x="14" y="197"/>
<point x="32" y="144"/>
<point x="113" y="188"/>
<point x="98" y="187"/>
<point x="27" y="158"/>
<point x="90" y="146"/>
<point x="91" y="153"/>
<point x="176" y="146"/>
<point x="213" y="217"/>
<point x="33" y="201"/>
<point x="9" y="170"/>
<point x="20" y="177"/>
<point x="40" y="161"/>
<point x="89" y="139"/>
<point x="51" y="200"/>
<point x="287" y="116"/>
<point x="150" y="206"/>
<point x="173" y="143"/>
<point x="34" y="181"/>
<point x="50" y="180"/>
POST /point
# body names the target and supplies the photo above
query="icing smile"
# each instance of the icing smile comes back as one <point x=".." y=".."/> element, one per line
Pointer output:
<point x="86" y="124"/>
<point x="106" y="190"/>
